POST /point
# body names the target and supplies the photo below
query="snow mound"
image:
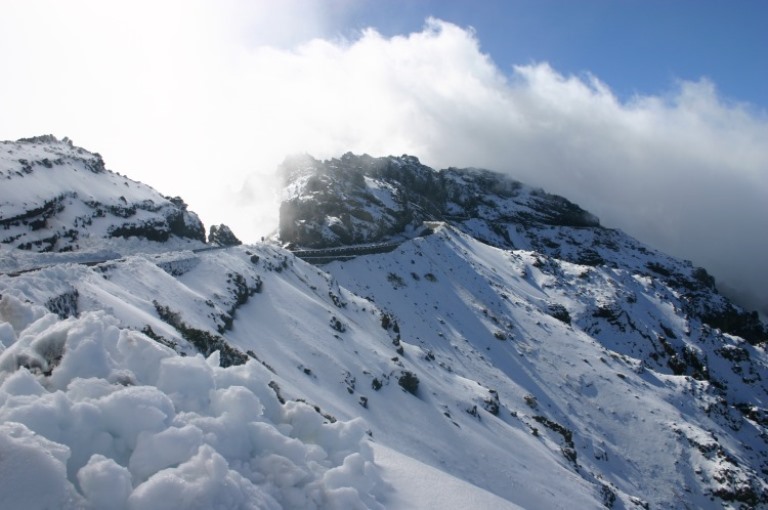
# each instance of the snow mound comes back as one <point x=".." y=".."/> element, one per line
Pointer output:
<point x="105" y="417"/>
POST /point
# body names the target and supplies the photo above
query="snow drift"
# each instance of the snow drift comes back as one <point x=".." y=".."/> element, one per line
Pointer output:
<point x="121" y="421"/>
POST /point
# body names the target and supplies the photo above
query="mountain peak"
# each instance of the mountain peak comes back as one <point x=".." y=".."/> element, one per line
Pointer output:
<point x="59" y="197"/>
<point x="361" y="199"/>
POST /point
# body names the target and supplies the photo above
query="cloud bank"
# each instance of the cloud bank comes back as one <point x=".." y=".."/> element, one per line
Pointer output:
<point x="205" y="101"/>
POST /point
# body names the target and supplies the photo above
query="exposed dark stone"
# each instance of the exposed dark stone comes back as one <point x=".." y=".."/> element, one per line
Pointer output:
<point x="559" y="312"/>
<point x="64" y="305"/>
<point x="738" y="322"/>
<point x="204" y="341"/>
<point x="222" y="235"/>
<point x="335" y="206"/>
<point x="409" y="382"/>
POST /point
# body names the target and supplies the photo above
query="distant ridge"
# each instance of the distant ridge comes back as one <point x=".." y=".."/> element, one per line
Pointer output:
<point x="58" y="197"/>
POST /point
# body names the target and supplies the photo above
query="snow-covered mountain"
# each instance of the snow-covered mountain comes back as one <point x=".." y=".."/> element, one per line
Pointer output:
<point x="493" y="347"/>
<point x="360" y="199"/>
<point x="57" y="197"/>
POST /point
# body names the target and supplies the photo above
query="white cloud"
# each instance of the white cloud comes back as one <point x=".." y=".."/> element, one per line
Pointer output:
<point x="204" y="100"/>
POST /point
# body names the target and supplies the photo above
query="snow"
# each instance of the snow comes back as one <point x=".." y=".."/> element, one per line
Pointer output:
<point x="68" y="171"/>
<point x="105" y="483"/>
<point x="104" y="431"/>
<point x="383" y="192"/>
<point x="608" y="399"/>
<point x="58" y="197"/>
<point x="143" y="421"/>
<point x="109" y="403"/>
<point x="159" y="428"/>
<point x="422" y="486"/>
<point x="33" y="471"/>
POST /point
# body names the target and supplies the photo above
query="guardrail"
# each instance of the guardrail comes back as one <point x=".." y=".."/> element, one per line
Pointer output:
<point x="324" y="255"/>
<point x="313" y="256"/>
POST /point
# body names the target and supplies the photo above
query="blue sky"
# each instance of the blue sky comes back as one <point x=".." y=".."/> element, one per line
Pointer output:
<point x="653" y="115"/>
<point x="634" y="46"/>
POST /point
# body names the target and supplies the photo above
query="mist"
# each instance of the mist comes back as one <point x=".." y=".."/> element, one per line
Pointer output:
<point x="204" y="100"/>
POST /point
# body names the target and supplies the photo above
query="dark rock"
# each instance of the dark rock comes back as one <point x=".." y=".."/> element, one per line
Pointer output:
<point x="222" y="235"/>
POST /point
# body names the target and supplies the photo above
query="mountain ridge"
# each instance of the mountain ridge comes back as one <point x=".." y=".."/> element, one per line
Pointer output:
<point x="57" y="196"/>
<point x="398" y="194"/>
<point x="546" y="365"/>
<point x="361" y="199"/>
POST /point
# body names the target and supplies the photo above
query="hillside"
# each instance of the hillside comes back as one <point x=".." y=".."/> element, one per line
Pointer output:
<point x="509" y="352"/>
<point x="58" y="197"/>
<point x="360" y="199"/>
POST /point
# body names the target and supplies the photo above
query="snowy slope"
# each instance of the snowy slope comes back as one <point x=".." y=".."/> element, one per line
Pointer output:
<point x="486" y="315"/>
<point x="456" y="371"/>
<point x="57" y="197"/>
<point x="360" y="199"/>
<point x="568" y="419"/>
<point x="80" y="375"/>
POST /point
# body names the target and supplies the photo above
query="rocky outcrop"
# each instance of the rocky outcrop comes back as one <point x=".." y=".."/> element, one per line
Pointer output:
<point x="360" y="199"/>
<point x="222" y="235"/>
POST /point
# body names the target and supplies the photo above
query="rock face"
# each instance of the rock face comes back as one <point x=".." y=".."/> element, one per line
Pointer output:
<point x="57" y="197"/>
<point x="360" y="199"/>
<point x="222" y="235"/>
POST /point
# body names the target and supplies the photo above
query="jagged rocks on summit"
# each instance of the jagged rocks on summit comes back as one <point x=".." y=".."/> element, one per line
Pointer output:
<point x="222" y="235"/>
<point x="360" y="199"/>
